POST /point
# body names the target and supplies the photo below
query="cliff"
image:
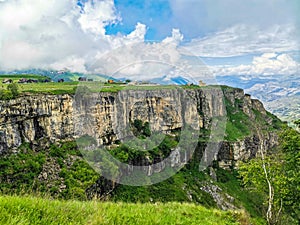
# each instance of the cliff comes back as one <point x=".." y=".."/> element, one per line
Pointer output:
<point x="40" y="118"/>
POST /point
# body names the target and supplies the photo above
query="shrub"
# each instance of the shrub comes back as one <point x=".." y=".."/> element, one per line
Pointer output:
<point x="14" y="89"/>
<point x="5" y="94"/>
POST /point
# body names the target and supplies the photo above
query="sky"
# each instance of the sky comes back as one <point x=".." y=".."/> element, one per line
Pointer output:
<point x="151" y="38"/>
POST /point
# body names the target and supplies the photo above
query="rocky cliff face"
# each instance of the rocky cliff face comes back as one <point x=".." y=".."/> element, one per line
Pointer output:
<point x="34" y="117"/>
<point x="108" y="117"/>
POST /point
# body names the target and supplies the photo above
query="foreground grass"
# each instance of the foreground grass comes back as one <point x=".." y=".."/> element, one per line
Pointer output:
<point x="34" y="210"/>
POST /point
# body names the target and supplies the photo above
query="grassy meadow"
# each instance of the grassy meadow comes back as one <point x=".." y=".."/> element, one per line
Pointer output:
<point x="33" y="210"/>
<point x="69" y="87"/>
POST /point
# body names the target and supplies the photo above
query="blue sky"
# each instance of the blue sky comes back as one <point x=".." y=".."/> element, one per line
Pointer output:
<point x="197" y="18"/>
<point x="232" y="37"/>
<point x="156" y="14"/>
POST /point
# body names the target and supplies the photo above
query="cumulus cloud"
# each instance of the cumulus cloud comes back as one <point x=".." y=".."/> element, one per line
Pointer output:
<point x="139" y="59"/>
<point x="266" y="64"/>
<point x="60" y="34"/>
<point x="96" y="16"/>
<point x="40" y="33"/>
<point x="136" y="36"/>
<point x="176" y="38"/>
<point x="244" y="39"/>
<point x="146" y="60"/>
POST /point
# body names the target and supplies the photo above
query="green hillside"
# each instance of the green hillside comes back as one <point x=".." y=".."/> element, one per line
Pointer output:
<point x="32" y="210"/>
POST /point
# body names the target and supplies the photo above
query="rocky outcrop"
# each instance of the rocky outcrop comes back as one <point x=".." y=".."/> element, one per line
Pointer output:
<point x="223" y="200"/>
<point x="230" y="153"/>
<point x="108" y="116"/>
<point x="33" y="117"/>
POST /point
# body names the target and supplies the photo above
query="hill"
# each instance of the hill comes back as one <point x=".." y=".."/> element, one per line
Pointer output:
<point x="55" y="74"/>
<point x="280" y="94"/>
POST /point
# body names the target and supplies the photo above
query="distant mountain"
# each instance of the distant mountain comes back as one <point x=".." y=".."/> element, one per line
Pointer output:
<point x="280" y="94"/>
<point x="59" y="74"/>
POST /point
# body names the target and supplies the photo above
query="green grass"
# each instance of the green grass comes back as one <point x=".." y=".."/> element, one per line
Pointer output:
<point x="69" y="87"/>
<point x="252" y="202"/>
<point x="49" y="88"/>
<point x="34" y="210"/>
<point x="238" y="123"/>
<point x="15" y="78"/>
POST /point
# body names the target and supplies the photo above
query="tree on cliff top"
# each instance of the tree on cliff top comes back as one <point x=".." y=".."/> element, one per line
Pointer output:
<point x="14" y="89"/>
<point x="10" y="92"/>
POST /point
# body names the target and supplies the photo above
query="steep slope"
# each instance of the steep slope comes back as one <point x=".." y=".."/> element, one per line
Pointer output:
<point x="43" y="129"/>
<point x="280" y="94"/>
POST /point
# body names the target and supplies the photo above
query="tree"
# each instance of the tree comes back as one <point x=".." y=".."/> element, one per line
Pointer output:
<point x="5" y="94"/>
<point x="138" y="124"/>
<point x="261" y="176"/>
<point x="290" y="144"/>
<point x="147" y="129"/>
<point x="276" y="177"/>
<point x="14" y="89"/>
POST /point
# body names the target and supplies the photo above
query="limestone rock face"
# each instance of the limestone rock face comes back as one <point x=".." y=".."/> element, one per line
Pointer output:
<point x="30" y="118"/>
<point x="108" y="116"/>
<point x="231" y="153"/>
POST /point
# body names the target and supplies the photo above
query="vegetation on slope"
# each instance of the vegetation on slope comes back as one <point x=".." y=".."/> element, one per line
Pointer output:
<point x="239" y="125"/>
<point x="69" y="177"/>
<point x="70" y="85"/>
<point x="32" y="210"/>
<point x="58" y="170"/>
<point x="276" y="177"/>
<point x="67" y="87"/>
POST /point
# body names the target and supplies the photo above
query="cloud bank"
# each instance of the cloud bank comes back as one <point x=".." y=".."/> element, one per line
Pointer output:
<point x="197" y="18"/>
<point x="266" y="64"/>
<point x="62" y="34"/>
<point x="245" y="39"/>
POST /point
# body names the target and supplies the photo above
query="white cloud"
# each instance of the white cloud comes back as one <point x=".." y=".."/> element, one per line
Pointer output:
<point x="71" y="63"/>
<point x="96" y="16"/>
<point x="58" y="34"/>
<point x="266" y="64"/>
<point x="176" y="38"/>
<point x="136" y="59"/>
<point x="46" y="34"/>
<point x="244" y="39"/>
<point x="199" y="17"/>
<point x="136" y="36"/>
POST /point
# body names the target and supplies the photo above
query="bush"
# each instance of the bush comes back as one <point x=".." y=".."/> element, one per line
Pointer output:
<point x="10" y="93"/>
<point x="14" y="89"/>
<point x="5" y="94"/>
